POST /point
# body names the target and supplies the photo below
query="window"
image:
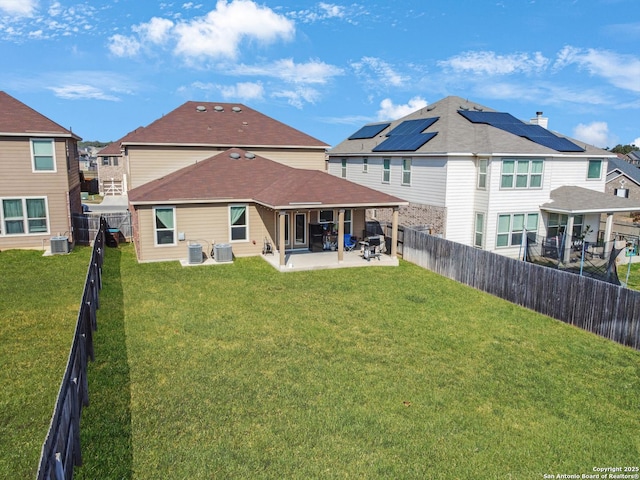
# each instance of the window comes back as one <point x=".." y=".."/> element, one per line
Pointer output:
<point x="406" y="171"/>
<point x="595" y="170"/>
<point x="482" y="173"/>
<point x="558" y="222"/>
<point x="386" y="170"/>
<point x="238" y="222"/>
<point x="105" y="161"/>
<point x="115" y="161"/>
<point x="365" y="165"/>
<point x="325" y="216"/>
<point x="479" y="231"/>
<point x="512" y="226"/>
<point x="521" y="174"/>
<point x="14" y="220"/>
<point x="621" y="192"/>
<point x="348" y="215"/>
<point x="165" y="225"/>
<point x="344" y="168"/>
<point x="43" y="157"/>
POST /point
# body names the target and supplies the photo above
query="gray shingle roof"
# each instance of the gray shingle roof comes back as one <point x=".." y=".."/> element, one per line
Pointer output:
<point x="578" y="200"/>
<point x="617" y="167"/>
<point x="457" y="135"/>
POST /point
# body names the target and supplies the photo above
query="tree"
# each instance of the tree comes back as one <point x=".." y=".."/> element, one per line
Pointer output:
<point x="624" y="149"/>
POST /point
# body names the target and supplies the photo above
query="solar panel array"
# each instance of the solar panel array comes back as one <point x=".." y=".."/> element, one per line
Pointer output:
<point x="412" y="127"/>
<point x="404" y="143"/>
<point x="369" y="131"/>
<point x="535" y="133"/>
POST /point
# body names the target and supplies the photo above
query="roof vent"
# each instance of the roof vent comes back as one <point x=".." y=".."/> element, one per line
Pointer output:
<point x="236" y="109"/>
<point x="201" y="108"/>
<point x="249" y="155"/>
<point x="235" y="155"/>
<point x="218" y="108"/>
<point x="475" y="107"/>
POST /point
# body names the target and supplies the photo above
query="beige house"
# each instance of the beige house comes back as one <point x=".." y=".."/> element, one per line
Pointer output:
<point x="197" y="130"/>
<point x="39" y="177"/>
<point x="241" y="199"/>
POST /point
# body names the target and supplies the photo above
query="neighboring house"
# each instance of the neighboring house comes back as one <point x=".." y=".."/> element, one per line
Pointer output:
<point x="481" y="177"/>
<point x="197" y="130"/>
<point x="634" y="157"/>
<point x="112" y="178"/>
<point x="39" y="177"/>
<point x="623" y="179"/>
<point x="241" y="199"/>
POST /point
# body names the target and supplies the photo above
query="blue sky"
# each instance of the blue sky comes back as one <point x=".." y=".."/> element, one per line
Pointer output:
<point x="104" y="68"/>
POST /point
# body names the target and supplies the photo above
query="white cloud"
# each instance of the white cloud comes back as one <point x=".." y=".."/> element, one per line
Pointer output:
<point x="19" y="7"/>
<point x="299" y="96"/>
<point x="389" y="111"/>
<point x="620" y="70"/>
<point x="636" y="142"/>
<point x="243" y="91"/>
<point x="381" y="71"/>
<point x="122" y="46"/>
<point x="490" y="63"/>
<point x="218" y="34"/>
<point x="286" y="69"/>
<point x="155" y="31"/>
<point x="594" y="133"/>
<point x="82" y="92"/>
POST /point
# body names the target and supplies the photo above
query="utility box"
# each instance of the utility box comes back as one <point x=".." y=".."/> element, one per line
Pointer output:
<point x="59" y="245"/>
<point x="223" y="252"/>
<point x="195" y="253"/>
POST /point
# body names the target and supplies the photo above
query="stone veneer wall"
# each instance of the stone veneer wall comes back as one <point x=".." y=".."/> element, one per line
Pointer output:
<point x="413" y="215"/>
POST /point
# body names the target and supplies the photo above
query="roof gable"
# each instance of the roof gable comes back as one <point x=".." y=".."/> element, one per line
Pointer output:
<point x="220" y="124"/>
<point x="19" y="119"/>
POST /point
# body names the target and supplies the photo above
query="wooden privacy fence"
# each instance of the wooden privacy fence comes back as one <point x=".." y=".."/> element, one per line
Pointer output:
<point x="599" y="307"/>
<point x="61" y="448"/>
<point x="86" y="226"/>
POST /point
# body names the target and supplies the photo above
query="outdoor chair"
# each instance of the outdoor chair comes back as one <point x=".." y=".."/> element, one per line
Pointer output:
<point x="267" y="248"/>
<point x="349" y="242"/>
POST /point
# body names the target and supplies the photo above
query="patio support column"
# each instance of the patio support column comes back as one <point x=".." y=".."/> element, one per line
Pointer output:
<point x="340" y="235"/>
<point x="568" y="240"/>
<point x="281" y="245"/>
<point x="394" y="233"/>
<point x="608" y="241"/>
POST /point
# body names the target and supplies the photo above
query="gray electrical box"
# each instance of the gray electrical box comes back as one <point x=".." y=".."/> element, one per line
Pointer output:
<point x="223" y="252"/>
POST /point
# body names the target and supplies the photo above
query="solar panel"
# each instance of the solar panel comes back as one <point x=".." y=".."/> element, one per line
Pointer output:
<point x="411" y="127"/>
<point x="369" y="131"/>
<point x="404" y="143"/>
<point x="535" y="133"/>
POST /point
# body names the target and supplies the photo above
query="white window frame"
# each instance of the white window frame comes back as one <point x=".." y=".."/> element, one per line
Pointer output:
<point x="24" y="218"/>
<point x="156" y="230"/>
<point x="238" y="226"/>
<point x="406" y="171"/>
<point x="325" y="221"/>
<point x="365" y="165"/>
<point x="348" y="221"/>
<point x="33" y="155"/>
<point x="343" y="168"/>
<point x="483" y="173"/>
<point x="511" y="232"/>
<point x="621" y="192"/>
<point x="518" y="173"/>
<point x="601" y="163"/>
<point x="479" y="232"/>
<point x="386" y="170"/>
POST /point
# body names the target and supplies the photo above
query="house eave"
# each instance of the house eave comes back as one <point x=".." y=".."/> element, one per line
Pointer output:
<point x="222" y="145"/>
<point x="41" y="134"/>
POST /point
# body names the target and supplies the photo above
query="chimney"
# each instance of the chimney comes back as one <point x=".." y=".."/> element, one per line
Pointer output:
<point x="540" y="120"/>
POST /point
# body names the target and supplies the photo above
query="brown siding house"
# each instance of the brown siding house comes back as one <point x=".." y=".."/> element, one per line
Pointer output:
<point x="39" y="177"/>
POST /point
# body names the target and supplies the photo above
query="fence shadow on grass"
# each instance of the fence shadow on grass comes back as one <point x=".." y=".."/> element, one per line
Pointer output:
<point x="106" y="425"/>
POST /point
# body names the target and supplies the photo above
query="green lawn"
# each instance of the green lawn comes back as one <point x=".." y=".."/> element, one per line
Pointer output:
<point x="633" y="275"/>
<point x="239" y="371"/>
<point x="39" y="302"/>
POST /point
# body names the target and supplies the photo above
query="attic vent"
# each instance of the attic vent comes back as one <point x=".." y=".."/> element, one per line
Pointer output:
<point x="477" y="108"/>
<point x="201" y="108"/>
<point x="234" y="155"/>
<point x="236" y="109"/>
<point x="249" y="155"/>
<point x="218" y="108"/>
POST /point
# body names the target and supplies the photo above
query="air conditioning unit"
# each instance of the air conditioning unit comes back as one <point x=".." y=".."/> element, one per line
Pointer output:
<point x="59" y="245"/>
<point x="195" y="253"/>
<point x="223" y="252"/>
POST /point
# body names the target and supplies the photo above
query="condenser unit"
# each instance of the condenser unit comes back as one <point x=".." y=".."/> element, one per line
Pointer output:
<point x="223" y="253"/>
<point x="59" y="245"/>
<point x="195" y="253"/>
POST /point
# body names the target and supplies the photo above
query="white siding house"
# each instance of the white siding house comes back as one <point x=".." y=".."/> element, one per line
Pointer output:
<point x="481" y="177"/>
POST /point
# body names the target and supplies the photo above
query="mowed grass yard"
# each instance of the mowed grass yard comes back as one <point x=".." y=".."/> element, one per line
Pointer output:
<point x="239" y="371"/>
